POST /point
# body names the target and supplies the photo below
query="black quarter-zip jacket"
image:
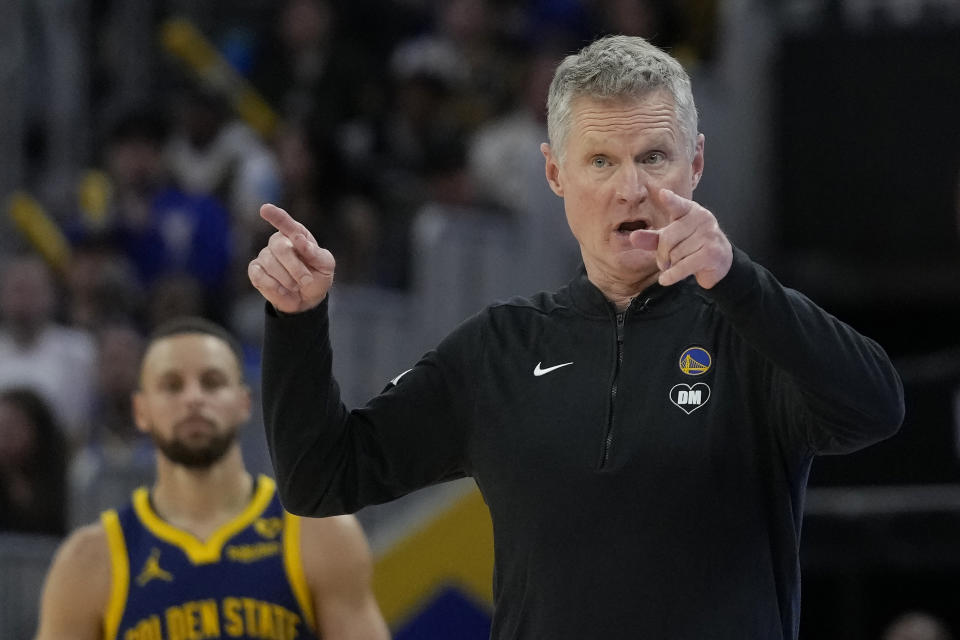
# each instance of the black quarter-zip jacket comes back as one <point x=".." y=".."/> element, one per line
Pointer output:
<point x="645" y="470"/>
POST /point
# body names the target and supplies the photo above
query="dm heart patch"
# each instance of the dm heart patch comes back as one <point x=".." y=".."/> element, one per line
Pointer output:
<point x="690" y="397"/>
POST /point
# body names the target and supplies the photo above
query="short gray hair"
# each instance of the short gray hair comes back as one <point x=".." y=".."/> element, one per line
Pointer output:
<point x="618" y="67"/>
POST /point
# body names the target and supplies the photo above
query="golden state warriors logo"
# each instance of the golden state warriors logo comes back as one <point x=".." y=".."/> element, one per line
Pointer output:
<point x="695" y="361"/>
<point x="268" y="527"/>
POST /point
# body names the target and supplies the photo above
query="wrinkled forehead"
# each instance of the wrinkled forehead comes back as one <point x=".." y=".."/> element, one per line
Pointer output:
<point x="654" y="99"/>
<point x="601" y="117"/>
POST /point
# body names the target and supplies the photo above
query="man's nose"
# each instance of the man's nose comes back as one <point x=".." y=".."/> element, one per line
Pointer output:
<point x="631" y="184"/>
<point x="193" y="393"/>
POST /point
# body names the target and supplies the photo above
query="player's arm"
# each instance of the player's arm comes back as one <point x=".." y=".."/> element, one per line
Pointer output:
<point x="76" y="588"/>
<point x="339" y="568"/>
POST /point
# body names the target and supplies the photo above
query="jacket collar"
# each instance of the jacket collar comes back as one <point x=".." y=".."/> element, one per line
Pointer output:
<point x="655" y="299"/>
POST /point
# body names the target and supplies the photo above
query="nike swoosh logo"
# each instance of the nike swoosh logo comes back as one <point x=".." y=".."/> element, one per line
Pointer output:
<point x="537" y="371"/>
<point x="397" y="379"/>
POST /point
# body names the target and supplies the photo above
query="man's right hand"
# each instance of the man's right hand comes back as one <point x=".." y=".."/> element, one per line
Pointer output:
<point x="292" y="272"/>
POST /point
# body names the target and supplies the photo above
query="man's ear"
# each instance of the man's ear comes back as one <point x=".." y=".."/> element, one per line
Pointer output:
<point x="698" y="161"/>
<point x="137" y="402"/>
<point x="552" y="169"/>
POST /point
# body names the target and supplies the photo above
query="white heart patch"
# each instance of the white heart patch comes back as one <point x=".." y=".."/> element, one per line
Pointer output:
<point x="689" y="398"/>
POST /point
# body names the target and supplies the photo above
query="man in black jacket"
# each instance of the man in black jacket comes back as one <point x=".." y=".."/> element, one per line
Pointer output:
<point x="642" y="436"/>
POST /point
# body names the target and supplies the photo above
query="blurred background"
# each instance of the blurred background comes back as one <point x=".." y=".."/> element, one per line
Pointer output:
<point x="139" y="138"/>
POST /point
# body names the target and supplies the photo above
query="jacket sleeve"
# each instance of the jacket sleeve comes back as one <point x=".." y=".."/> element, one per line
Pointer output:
<point x="836" y="390"/>
<point x="329" y="460"/>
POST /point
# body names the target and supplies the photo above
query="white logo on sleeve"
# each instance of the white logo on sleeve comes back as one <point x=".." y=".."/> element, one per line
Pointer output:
<point x="537" y="371"/>
<point x="690" y="398"/>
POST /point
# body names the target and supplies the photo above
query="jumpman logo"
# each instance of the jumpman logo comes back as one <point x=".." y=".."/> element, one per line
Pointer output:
<point x="151" y="569"/>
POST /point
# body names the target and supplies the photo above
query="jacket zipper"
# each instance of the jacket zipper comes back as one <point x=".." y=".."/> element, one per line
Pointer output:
<point x="608" y="437"/>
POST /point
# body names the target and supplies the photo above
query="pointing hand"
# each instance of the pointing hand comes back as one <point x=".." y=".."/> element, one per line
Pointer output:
<point x="690" y="244"/>
<point x="292" y="272"/>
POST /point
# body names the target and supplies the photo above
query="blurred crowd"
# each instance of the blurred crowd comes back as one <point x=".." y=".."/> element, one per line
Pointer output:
<point x="378" y="110"/>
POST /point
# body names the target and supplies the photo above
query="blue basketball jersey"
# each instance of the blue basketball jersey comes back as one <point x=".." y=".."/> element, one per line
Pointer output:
<point x="245" y="581"/>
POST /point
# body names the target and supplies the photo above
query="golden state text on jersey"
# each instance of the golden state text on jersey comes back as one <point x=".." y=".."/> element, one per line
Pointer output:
<point x="245" y="581"/>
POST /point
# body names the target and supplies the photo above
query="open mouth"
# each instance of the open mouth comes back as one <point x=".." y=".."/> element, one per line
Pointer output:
<point x="631" y="225"/>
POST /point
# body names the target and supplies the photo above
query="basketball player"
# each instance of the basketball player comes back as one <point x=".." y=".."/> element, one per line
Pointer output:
<point x="208" y="551"/>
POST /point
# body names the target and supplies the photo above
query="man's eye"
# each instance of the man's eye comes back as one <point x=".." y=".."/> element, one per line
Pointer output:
<point x="213" y="381"/>
<point x="655" y="157"/>
<point x="599" y="162"/>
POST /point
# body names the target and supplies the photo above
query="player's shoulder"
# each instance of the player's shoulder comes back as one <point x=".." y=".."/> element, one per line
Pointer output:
<point x="332" y="530"/>
<point x="85" y="550"/>
<point x="82" y="565"/>
<point x="77" y="588"/>
<point x="334" y="545"/>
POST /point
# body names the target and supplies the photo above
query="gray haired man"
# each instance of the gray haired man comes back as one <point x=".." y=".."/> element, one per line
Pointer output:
<point x="643" y="435"/>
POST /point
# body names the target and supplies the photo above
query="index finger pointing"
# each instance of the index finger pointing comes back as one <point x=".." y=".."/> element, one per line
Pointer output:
<point x="675" y="206"/>
<point x="284" y="222"/>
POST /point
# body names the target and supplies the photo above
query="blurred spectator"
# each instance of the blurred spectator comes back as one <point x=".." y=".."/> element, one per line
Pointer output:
<point x="310" y="176"/>
<point x="33" y="459"/>
<point x="508" y="169"/>
<point x="505" y="153"/>
<point x="212" y="153"/>
<point x="101" y="285"/>
<point x="37" y="352"/>
<point x="359" y="186"/>
<point x="410" y="147"/>
<point x="447" y="178"/>
<point x="564" y="19"/>
<point x="120" y="347"/>
<point x="163" y="231"/>
<point x="362" y="236"/>
<point x="446" y="82"/>
<point x="320" y="194"/>
<point x="117" y="456"/>
<point x="687" y="29"/>
<point x="475" y="29"/>
<point x="308" y="69"/>
<point x="656" y="20"/>
<point x="917" y="625"/>
<point x="455" y="77"/>
<point x="176" y="294"/>
<point x="426" y="74"/>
